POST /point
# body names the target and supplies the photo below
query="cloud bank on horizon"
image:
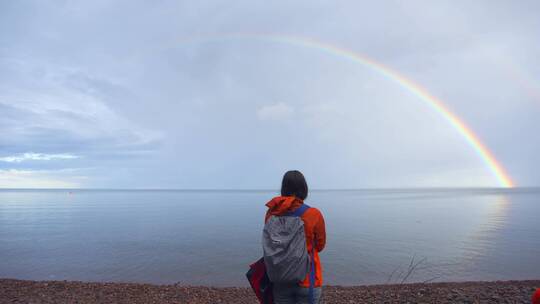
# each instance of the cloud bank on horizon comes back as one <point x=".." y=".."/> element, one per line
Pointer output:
<point x="153" y="95"/>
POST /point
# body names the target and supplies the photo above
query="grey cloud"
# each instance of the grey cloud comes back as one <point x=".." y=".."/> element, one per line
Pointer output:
<point x="133" y="88"/>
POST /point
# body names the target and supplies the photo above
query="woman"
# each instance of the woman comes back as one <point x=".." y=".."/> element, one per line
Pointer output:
<point x="294" y="191"/>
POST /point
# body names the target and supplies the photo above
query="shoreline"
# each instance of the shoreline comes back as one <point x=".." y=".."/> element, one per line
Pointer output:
<point x="24" y="291"/>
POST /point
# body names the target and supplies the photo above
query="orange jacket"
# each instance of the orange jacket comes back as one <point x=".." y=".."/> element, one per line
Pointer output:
<point x="313" y="228"/>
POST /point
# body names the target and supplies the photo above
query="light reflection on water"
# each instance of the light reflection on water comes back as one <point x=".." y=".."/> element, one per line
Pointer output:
<point x="209" y="237"/>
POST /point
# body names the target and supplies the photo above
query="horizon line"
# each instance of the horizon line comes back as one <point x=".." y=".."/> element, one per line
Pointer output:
<point x="277" y="189"/>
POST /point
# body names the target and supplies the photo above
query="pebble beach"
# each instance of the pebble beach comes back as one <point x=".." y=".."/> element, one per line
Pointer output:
<point x="22" y="291"/>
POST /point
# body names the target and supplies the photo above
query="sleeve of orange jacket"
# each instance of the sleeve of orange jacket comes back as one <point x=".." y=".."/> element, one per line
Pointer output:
<point x="320" y="233"/>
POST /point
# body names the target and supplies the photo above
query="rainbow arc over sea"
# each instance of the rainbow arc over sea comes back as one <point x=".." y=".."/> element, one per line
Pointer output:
<point x="502" y="177"/>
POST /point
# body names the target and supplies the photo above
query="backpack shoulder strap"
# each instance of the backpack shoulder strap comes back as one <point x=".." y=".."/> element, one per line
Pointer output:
<point x="299" y="211"/>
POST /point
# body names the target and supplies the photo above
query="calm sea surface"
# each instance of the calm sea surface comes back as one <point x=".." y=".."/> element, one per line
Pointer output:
<point x="209" y="237"/>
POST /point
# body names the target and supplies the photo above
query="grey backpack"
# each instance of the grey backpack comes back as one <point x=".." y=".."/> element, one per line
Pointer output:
<point x="284" y="246"/>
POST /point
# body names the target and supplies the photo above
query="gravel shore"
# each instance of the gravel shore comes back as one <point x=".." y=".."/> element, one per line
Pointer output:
<point x="19" y="291"/>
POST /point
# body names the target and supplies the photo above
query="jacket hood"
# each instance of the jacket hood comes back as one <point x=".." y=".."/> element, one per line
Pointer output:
<point x="283" y="204"/>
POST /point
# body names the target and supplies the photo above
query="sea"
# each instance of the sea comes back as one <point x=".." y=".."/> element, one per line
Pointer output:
<point x="210" y="237"/>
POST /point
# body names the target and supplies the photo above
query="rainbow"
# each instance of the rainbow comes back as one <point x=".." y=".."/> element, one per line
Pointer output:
<point x="436" y="104"/>
<point x="530" y="87"/>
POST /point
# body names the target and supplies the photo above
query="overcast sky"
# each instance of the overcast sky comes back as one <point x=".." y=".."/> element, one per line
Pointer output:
<point x="128" y="94"/>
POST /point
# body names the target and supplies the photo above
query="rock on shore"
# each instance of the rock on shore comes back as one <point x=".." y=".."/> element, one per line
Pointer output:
<point x="19" y="291"/>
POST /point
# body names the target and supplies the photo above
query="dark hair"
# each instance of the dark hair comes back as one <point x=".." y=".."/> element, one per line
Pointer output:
<point x="294" y="184"/>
